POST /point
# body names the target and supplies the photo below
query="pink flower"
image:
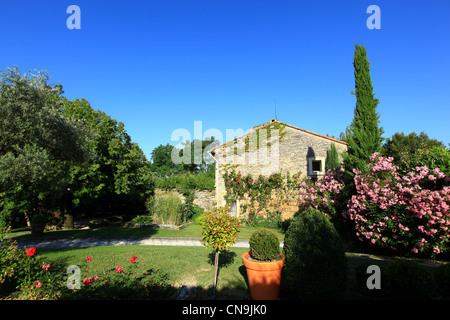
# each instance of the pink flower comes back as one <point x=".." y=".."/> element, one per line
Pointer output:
<point x="38" y="284"/>
<point x="45" y="267"/>
<point x="436" y="249"/>
<point x="87" y="280"/>
<point x="119" y="269"/>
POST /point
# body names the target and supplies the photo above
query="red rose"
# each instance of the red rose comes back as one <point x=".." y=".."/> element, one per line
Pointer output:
<point x="119" y="269"/>
<point x="31" y="252"/>
<point x="87" y="280"/>
<point x="88" y="259"/>
<point x="133" y="259"/>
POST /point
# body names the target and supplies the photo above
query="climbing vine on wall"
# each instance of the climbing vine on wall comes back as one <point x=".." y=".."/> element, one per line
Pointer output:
<point x="321" y="194"/>
<point x="258" y="189"/>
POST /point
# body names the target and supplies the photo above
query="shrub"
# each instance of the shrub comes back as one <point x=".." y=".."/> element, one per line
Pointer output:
<point x="315" y="265"/>
<point x="219" y="229"/>
<point x="442" y="276"/>
<point x="405" y="279"/>
<point x="166" y="208"/>
<point x="264" y="245"/>
<point x="142" y="219"/>
<point x="401" y="214"/>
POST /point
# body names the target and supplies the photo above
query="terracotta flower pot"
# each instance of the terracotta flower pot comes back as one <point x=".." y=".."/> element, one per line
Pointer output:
<point x="263" y="277"/>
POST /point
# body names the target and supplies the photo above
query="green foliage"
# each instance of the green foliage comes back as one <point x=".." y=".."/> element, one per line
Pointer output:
<point x="363" y="135"/>
<point x="405" y="279"/>
<point x="333" y="158"/>
<point x="405" y="148"/>
<point x="434" y="157"/>
<point x="256" y="189"/>
<point x="166" y="208"/>
<point x="264" y="245"/>
<point x="142" y="219"/>
<point x="315" y="265"/>
<point x="193" y="158"/>
<point x="219" y="229"/>
<point x="38" y="144"/>
<point x="187" y="181"/>
<point x="121" y="283"/>
<point x="118" y="176"/>
<point x="39" y="218"/>
<point x="162" y="164"/>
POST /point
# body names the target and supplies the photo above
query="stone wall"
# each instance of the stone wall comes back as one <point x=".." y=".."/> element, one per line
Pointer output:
<point x="205" y="199"/>
<point x="294" y="150"/>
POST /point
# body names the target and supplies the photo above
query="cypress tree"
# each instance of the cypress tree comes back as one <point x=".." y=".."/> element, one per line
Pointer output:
<point x="364" y="134"/>
<point x="333" y="158"/>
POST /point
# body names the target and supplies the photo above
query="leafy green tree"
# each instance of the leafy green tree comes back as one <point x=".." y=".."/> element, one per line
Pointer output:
<point x="162" y="164"/>
<point x="37" y="146"/>
<point x="435" y="157"/>
<point x="333" y="158"/>
<point x="364" y="136"/>
<point x="404" y="148"/>
<point x="118" y="177"/>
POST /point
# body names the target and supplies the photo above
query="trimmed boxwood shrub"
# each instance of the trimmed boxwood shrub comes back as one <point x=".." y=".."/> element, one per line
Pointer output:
<point x="315" y="265"/>
<point x="264" y="245"/>
<point x="405" y="279"/>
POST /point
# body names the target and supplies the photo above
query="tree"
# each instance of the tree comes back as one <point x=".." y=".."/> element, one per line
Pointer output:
<point x="37" y="146"/>
<point x="162" y="164"/>
<point x="219" y="232"/>
<point x="364" y="136"/>
<point x="333" y="158"/>
<point x="118" y="177"/>
<point x="404" y="148"/>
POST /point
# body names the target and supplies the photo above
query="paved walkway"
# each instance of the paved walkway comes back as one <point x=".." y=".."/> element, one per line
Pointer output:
<point x="93" y="242"/>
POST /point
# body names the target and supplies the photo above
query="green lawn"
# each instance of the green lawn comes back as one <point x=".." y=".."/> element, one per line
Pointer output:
<point x="196" y="270"/>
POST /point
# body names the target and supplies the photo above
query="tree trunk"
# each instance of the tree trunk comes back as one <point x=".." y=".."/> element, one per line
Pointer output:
<point x="68" y="222"/>
<point x="216" y="268"/>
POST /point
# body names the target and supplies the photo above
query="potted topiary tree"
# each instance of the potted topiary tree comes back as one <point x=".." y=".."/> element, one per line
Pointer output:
<point x="264" y="262"/>
<point x="38" y="222"/>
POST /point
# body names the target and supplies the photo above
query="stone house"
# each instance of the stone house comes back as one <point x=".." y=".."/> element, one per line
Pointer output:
<point x="273" y="147"/>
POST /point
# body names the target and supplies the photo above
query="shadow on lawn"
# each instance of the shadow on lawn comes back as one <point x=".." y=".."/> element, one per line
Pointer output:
<point x="104" y="232"/>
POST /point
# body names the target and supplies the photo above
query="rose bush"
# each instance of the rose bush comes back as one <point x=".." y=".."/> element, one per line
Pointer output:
<point x="406" y="214"/>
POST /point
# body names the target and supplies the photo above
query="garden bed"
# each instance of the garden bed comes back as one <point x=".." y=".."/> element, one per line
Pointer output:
<point x="157" y="225"/>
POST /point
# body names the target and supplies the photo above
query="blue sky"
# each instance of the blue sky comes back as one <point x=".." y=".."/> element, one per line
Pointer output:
<point x="160" y="65"/>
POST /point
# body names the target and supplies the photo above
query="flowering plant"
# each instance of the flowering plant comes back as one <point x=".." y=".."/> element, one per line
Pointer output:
<point x="401" y="213"/>
<point x="255" y="189"/>
<point x="321" y="194"/>
<point x="121" y="282"/>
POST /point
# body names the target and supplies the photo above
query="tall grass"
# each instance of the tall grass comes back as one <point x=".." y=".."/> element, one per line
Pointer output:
<point x="166" y="208"/>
